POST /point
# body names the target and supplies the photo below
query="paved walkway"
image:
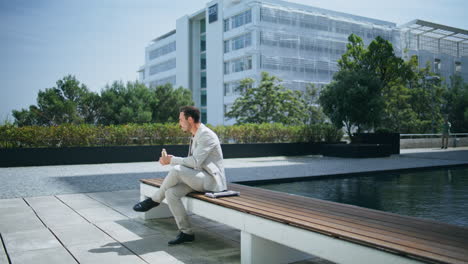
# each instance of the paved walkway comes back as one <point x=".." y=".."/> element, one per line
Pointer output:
<point x="82" y="213"/>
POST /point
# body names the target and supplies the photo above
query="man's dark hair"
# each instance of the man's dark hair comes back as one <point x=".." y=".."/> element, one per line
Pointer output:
<point x="191" y="111"/>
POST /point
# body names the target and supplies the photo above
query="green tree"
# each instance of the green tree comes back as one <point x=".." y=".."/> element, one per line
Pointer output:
<point x="398" y="112"/>
<point x="427" y="99"/>
<point x="357" y="96"/>
<point x="57" y="105"/>
<point x="457" y="104"/>
<point x="353" y="99"/>
<point x="130" y="103"/>
<point x="169" y="100"/>
<point x="269" y="102"/>
<point x="314" y="113"/>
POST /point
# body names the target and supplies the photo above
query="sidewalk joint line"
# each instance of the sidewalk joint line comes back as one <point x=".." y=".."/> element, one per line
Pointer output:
<point x="4" y="248"/>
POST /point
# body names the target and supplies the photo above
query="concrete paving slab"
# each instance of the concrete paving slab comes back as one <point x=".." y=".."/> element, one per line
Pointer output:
<point x="226" y="232"/>
<point x="29" y="240"/>
<point x="165" y="226"/>
<point x="127" y="210"/>
<point x="3" y="259"/>
<point x="101" y="214"/>
<point x="121" y="201"/>
<point x="154" y="249"/>
<point x="13" y="203"/>
<point x="209" y="245"/>
<point x="15" y="212"/>
<point x="56" y="255"/>
<point x="110" y="253"/>
<point x="2" y="249"/>
<point x="108" y="197"/>
<point x="3" y="255"/>
<point x="79" y="201"/>
<point x="57" y="218"/>
<point x="126" y="230"/>
<point x="45" y="202"/>
<point x="118" y="199"/>
<point x="11" y="223"/>
<point x="81" y="234"/>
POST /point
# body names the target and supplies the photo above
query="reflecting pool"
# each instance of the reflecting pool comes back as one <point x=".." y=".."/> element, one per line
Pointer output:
<point x="439" y="194"/>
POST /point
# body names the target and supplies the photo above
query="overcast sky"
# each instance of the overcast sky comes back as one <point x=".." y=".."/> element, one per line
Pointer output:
<point x="101" y="41"/>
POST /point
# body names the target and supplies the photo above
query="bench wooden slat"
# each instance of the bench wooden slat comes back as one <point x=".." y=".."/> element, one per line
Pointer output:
<point x="314" y="220"/>
<point x="409" y="223"/>
<point x="341" y="214"/>
<point x="322" y="219"/>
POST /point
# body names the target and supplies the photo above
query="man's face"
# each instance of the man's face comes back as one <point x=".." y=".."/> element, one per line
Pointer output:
<point x="184" y="123"/>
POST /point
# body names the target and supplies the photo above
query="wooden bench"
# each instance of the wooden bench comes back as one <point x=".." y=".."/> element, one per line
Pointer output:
<point x="279" y="228"/>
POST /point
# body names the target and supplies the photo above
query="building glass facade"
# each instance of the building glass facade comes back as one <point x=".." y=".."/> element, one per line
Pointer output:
<point x="299" y="44"/>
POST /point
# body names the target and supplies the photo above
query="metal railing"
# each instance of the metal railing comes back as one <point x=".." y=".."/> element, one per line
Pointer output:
<point x="455" y="139"/>
<point x="452" y="135"/>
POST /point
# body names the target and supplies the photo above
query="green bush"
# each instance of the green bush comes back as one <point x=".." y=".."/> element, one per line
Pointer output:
<point x="157" y="134"/>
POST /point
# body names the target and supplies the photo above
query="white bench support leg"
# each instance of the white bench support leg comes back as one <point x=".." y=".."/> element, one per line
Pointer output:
<point x="255" y="249"/>
<point x="161" y="211"/>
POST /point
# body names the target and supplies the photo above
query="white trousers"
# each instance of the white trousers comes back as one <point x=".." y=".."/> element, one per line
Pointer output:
<point x="179" y="182"/>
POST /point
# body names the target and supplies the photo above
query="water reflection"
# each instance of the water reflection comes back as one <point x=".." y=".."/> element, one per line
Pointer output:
<point x="440" y="195"/>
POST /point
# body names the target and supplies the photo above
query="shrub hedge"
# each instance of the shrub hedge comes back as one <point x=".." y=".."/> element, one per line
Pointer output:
<point x="157" y="134"/>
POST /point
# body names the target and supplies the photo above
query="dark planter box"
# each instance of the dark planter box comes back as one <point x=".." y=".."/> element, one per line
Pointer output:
<point x="93" y="155"/>
<point x="357" y="150"/>
<point x="392" y="139"/>
<point x="83" y="155"/>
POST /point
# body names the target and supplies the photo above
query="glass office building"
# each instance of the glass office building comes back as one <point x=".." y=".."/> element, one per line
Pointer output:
<point x="229" y="40"/>
<point x="444" y="48"/>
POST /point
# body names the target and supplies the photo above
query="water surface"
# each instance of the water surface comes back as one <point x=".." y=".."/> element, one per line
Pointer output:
<point x="440" y="194"/>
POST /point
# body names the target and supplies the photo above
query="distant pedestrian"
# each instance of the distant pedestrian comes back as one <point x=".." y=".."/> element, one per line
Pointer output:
<point x="445" y="133"/>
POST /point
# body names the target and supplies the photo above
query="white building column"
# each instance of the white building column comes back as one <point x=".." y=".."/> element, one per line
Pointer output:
<point x="214" y="65"/>
<point x="183" y="61"/>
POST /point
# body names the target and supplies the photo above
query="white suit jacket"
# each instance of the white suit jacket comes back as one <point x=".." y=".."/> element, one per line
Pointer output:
<point x="205" y="154"/>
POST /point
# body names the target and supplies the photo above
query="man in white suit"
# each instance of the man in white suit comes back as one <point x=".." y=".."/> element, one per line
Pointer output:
<point x="201" y="171"/>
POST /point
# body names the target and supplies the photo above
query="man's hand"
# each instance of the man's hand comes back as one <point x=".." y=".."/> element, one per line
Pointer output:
<point x="165" y="160"/>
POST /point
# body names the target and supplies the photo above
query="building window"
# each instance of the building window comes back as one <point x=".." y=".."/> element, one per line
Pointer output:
<point x="238" y="65"/>
<point x="203" y="100"/>
<point x="226" y="46"/>
<point x="203" y="43"/>
<point x="203" y="61"/>
<point x="162" y="67"/>
<point x="226" y="24"/>
<point x="203" y="80"/>
<point x="168" y="48"/>
<point x="226" y="89"/>
<point x="203" y="116"/>
<point x="241" y="19"/>
<point x="437" y="66"/>
<point x="168" y="80"/>
<point x="202" y="26"/>
<point x="458" y="67"/>
<point x="234" y="88"/>
<point x="203" y="97"/>
<point x="242" y="41"/>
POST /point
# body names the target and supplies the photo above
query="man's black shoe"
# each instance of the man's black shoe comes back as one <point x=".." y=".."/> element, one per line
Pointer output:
<point x="182" y="238"/>
<point x="145" y="205"/>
